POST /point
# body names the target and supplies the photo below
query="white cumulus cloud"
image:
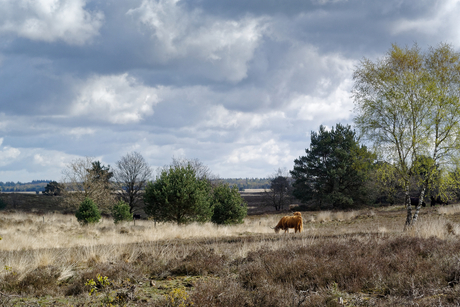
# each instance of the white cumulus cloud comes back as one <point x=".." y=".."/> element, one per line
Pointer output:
<point x="8" y="154"/>
<point x="225" y="45"/>
<point x="50" y="20"/>
<point x="443" y="18"/>
<point x="272" y="152"/>
<point x="118" y="99"/>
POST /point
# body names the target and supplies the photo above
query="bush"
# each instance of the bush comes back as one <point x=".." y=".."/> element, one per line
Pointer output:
<point x="2" y="204"/>
<point x="120" y="212"/>
<point x="229" y="207"/>
<point x="179" y="195"/>
<point x="53" y="189"/>
<point x="88" y="212"/>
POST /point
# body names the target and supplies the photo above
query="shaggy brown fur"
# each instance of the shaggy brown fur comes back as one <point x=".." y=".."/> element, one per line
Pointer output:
<point x="287" y="222"/>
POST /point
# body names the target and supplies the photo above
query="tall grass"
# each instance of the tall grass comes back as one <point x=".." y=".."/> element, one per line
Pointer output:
<point x="337" y="251"/>
<point x="453" y="209"/>
<point x="27" y="231"/>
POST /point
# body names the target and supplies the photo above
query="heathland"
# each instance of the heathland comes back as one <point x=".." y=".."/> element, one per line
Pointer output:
<point x="350" y="258"/>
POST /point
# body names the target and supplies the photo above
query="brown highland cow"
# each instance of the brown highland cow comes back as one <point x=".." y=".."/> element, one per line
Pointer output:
<point x="287" y="222"/>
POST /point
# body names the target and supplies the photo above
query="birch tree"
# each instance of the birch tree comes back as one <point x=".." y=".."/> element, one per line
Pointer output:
<point x="407" y="105"/>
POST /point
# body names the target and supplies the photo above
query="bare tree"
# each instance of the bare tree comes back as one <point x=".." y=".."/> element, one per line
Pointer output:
<point x="82" y="179"/>
<point x="280" y="193"/>
<point x="131" y="176"/>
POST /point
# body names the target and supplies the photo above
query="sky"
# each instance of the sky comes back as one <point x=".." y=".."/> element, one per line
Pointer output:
<point x="238" y="85"/>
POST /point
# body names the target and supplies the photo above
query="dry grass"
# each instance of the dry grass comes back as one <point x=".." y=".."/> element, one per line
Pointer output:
<point x="28" y="231"/>
<point x="327" y="216"/>
<point x="339" y="254"/>
<point x="449" y="209"/>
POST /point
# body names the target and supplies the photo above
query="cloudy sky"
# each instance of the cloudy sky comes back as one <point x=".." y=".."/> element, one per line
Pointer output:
<point x="237" y="84"/>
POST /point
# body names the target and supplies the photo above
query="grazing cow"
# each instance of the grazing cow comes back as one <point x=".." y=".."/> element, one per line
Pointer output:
<point x="437" y="200"/>
<point x="137" y="216"/>
<point x="287" y="222"/>
<point x="414" y="202"/>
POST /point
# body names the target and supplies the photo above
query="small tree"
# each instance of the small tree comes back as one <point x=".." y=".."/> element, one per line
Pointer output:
<point x="121" y="212"/>
<point x="179" y="195"/>
<point x="53" y="189"/>
<point x="101" y="172"/>
<point x="229" y="207"/>
<point x="88" y="212"/>
<point x="84" y="179"/>
<point x="3" y="204"/>
<point x="280" y="193"/>
<point x="131" y="176"/>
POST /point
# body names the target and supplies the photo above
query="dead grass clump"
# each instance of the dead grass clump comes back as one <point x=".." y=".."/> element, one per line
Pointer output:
<point x="344" y="215"/>
<point x="200" y="263"/>
<point x="328" y="216"/>
<point x="119" y="274"/>
<point x="324" y="216"/>
<point x="229" y="292"/>
<point x="224" y="292"/>
<point x="447" y="210"/>
<point x="39" y="282"/>
<point x="435" y="227"/>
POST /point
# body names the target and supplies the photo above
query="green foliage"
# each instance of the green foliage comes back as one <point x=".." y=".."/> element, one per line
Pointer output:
<point x="179" y="195"/>
<point x="88" y="212"/>
<point x="178" y="298"/>
<point x="100" y="171"/>
<point x="120" y="212"/>
<point x="408" y="105"/>
<point x="53" y="188"/>
<point x="3" y="204"/>
<point x="334" y="170"/>
<point x="229" y="207"/>
<point x="101" y="282"/>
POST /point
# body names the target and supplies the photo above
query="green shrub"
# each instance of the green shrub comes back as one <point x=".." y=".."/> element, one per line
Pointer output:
<point x="179" y="195"/>
<point x="120" y="212"/>
<point x="88" y="212"/>
<point x="2" y="204"/>
<point x="229" y="207"/>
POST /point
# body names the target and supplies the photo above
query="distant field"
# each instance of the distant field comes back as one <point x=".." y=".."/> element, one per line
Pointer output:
<point x="40" y="203"/>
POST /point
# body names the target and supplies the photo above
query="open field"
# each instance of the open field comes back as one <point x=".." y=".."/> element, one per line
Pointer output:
<point x="360" y="258"/>
<point x="42" y="204"/>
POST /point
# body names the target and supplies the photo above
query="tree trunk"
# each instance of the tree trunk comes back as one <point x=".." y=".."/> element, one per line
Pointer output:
<point x="409" y="209"/>
<point x="419" y="205"/>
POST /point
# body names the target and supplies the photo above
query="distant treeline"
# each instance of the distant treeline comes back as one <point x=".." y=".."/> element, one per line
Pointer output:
<point x="35" y="185"/>
<point x="39" y="185"/>
<point x="248" y="183"/>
